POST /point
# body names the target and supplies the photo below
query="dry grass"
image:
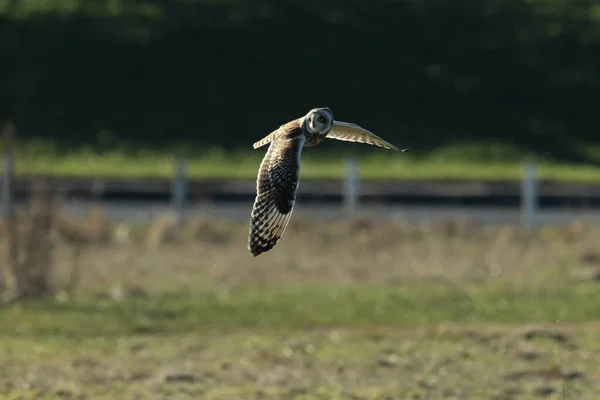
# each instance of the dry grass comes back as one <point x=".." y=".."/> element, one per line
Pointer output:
<point x="353" y="310"/>
<point x="207" y="254"/>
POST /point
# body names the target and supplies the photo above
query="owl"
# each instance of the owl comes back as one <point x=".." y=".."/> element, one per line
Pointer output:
<point x="279" y="171"/>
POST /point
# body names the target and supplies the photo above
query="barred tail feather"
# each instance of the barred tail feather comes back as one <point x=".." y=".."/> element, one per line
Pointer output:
<point x="267" y="225"/>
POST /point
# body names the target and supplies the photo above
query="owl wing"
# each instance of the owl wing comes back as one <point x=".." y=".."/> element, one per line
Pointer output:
<point x="354" y="133"/>
<point x="276" y="186"/>
<point x="287" y="130"/>
<point x="267" y="139"/>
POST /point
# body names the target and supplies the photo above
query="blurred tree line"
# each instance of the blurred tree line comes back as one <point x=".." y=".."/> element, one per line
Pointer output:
<point x="422" y="73"/>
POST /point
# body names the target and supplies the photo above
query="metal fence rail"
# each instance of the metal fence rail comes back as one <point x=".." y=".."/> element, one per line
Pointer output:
<point x="350" y="194"/>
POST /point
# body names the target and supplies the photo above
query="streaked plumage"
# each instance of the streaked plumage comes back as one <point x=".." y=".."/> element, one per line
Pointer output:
<point x="279" y="171"/>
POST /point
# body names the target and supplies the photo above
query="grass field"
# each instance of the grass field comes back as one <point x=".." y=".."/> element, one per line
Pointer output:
<point x="353" y="310"/>
<point x="467" y="162"/>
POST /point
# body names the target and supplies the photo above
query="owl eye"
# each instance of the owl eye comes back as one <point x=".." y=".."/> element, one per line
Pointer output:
<point x="321" y="119"/>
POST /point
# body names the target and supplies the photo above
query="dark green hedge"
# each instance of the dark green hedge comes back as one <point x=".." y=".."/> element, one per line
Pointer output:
<point x="422" y="72"/>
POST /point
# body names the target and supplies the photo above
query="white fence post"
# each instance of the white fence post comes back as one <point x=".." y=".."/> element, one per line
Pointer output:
<point x="351" y="186"/>
<point x="7" y="172"/>
<point x="529" y="196"/>
<point x="7" y="166"/>
<point x="179" y="189"/>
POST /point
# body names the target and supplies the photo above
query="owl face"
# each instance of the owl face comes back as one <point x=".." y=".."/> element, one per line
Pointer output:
<point x="319" y="121"/>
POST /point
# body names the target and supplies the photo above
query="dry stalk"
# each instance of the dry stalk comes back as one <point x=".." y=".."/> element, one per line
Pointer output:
<point x="80" y="235"/>
<point x="30" y="248"/>
<point x="163" y="229"/>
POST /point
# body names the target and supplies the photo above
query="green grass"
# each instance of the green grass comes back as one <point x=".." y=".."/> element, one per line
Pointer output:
<point x="306" y="342"/>
<point x="474" y="162"/>
<point x="435" y="363"/>
<point x="380" y="312"/>
<point x="306" y="305"/>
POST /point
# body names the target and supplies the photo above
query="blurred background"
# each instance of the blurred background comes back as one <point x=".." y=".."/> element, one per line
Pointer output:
<point x="466" y="267"/>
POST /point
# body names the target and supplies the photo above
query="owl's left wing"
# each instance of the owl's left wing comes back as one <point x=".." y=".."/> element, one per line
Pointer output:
<point x="354" y="133"/>
<point x="276" y="187"/>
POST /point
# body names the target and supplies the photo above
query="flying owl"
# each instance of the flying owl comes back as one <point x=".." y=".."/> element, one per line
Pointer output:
<point x="279" y="172"/>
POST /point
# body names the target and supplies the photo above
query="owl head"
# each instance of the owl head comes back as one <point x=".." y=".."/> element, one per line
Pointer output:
<point x="319" y="121"/>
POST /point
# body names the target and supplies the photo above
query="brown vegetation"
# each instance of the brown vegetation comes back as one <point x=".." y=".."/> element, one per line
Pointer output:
<point x="467" y="360"/>
<point x="30" y="238"/>
<point x="205" y="251"/>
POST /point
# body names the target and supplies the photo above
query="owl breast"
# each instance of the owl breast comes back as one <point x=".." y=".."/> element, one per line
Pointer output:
<point x="313" y="139"/>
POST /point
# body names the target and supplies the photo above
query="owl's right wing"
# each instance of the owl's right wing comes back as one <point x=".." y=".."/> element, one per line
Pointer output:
<point x="276" y="186"/>
<point x="354" y="133"/>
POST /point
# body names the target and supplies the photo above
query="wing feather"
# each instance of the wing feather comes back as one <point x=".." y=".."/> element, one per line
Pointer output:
<point x="354" y="133"/>
<point x="276" y="187"/>
<point x="267" y="139"/>
<point x="287" y="131"/>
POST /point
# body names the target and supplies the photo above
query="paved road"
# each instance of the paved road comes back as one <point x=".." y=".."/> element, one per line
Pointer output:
<point x="390" y="192"/>
<point x="139" y="212"/>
